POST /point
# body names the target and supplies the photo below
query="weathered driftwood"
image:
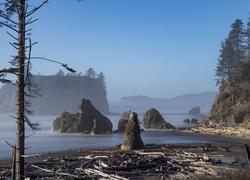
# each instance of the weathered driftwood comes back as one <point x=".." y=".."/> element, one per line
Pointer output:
<point x="105" y="175"/>
<point x="156" y="160"/>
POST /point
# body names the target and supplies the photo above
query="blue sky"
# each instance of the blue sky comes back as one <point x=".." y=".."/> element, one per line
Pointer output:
<point x="156" y="48"/>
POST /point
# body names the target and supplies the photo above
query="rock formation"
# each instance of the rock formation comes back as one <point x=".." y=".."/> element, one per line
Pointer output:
<point x="86" y="120"/>
<point x="153" y="119"/>
<point x="187" y="121"/>
<point x="132" y="134"/>
<point x="226" y="113"/>
<point x="194" y="121"/>
<point x="123" y="121"/>
<point x="195" y="110"/>
<point x="58" y="94"/>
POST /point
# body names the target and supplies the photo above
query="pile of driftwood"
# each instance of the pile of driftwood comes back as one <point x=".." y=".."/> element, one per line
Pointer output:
<point x="155" y="161"/>
<point x="229" y="131"/>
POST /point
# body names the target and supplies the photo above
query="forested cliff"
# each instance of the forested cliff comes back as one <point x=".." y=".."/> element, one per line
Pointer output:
<point x="59" y="93"/>
<point x="232" y="103"/>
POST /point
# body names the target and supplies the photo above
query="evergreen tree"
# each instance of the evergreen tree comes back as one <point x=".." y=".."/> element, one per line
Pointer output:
<point x="101" y="79"/>
<point x="60" y="73"/>
<point x="232" y="55"/>
<point x="90" y="73"/>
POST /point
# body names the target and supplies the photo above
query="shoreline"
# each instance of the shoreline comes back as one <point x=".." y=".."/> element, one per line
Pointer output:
<point x="190" y="134"/>
<point x="209" y="155"/>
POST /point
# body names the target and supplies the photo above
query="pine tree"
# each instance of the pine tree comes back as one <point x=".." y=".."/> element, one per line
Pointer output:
<point x="90" y="73"/>
<point x="232" y="55"/>
<point x="101" y="79"/>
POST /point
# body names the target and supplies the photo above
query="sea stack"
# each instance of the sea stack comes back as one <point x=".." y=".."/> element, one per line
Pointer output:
<point x="132" y="134"/>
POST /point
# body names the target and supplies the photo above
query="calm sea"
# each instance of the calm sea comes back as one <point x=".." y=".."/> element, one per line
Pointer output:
<point x="45" y="140"/>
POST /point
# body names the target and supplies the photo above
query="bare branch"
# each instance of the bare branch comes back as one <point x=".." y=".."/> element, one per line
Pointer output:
<point x="30" y="45"/>
<point x="11" y="35"/>
<point x="30" y="22"/>
<point x="9" y="144"/>
<point x="13" y="45"/>
<point x="9" y="26"/>
<point x="8" y="19"/>
<point x="35" y="9"/>
<point x="50" y="60"/>
<point x="28" y="30"/>
<point x="30" y="134"/>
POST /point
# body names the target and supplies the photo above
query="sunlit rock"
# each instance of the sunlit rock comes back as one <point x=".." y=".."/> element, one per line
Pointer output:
<point x="153" y="119"/>
<point x="228" y="109"/>
<point x="132" y="134"/>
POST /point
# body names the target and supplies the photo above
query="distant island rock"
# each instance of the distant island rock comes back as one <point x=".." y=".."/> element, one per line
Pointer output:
<point x="195" y="110"/>
<point x="58" y="93"/>
<point x="204" y="100"/>
<point x="86" y="120"/>
<point x="153" y="119"/>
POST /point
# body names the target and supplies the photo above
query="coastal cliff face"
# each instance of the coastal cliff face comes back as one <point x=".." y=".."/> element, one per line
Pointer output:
<point x="229" y="109"/>
<point x="58" y="94"/>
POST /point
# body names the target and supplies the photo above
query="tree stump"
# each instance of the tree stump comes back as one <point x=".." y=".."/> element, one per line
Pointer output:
<point x="132" y="134"/>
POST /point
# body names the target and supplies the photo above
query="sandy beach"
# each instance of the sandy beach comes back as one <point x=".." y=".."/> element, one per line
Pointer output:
<point x="221" y="153"/>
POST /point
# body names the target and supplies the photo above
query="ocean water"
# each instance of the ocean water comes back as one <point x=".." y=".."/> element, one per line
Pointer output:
<point x="45" y="140"/>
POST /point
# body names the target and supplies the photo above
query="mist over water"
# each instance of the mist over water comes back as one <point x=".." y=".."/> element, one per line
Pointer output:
<point x="45" y="140"/>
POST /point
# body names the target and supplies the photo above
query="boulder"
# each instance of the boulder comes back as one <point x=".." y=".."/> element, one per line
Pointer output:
<point x="153" y="119"/>
<point x="132" y="135"/>
<point x="187" y="121"/>
<point x="123" y="121"/>
<point x="87" y="119"/>
<point x="195" y="110"/>
<point x="194" y="121"/>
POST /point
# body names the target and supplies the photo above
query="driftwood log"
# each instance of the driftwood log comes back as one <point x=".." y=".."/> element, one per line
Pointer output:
<point x="155" y="160"/>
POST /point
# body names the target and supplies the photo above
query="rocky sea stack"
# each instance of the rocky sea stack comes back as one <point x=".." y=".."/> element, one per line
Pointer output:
<point x="153" y="119"/>
<point x="87" y="120"/>
<point x="123" y="121"/>
<point x="132" y="134"/>
<point x="195" y="110"/>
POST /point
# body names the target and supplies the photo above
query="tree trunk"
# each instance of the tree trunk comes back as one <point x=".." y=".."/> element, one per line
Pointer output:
<point x="20" y="93"/>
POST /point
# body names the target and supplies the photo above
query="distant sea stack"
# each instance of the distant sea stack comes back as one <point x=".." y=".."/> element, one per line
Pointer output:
<point x="195" y="110"/>
<point x="59" y="93"/>
<point x="154" y="120"/>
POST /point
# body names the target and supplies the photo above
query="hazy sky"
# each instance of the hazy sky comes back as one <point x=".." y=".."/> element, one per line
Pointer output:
<point x="156" y="48"/>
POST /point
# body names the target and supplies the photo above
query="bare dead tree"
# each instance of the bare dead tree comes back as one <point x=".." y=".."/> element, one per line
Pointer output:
<point x="20" y="66"/>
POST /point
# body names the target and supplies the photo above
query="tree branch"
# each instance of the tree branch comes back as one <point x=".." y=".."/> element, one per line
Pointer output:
<point x="35" y="9"/>
<point x="11" y="36"/>
<point x="57" y="62"/>
<point x="9" y="26"/>
<point x="8" y="19"/>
